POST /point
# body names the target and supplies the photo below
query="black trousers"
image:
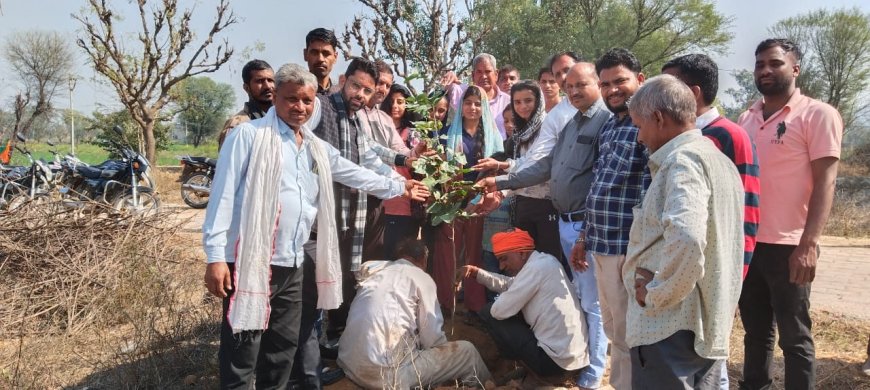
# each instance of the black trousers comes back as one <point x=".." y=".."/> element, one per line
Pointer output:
<point x="516" y="341"/>
<point x="338" y="317"/>
<point x="375" y="234"/>
<point x="541" y="220"/>
<point x="767" y="298"/>
<point x="672" y="363"/>
<point x="267" y="353"/>
<point x="307" y="364"/>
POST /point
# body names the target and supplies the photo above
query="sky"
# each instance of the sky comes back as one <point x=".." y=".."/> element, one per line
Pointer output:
<point x="280" y="26"/>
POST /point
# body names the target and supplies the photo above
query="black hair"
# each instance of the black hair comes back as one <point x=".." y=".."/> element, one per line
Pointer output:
<point x="413" y="248"/>
<point x="409" y="117"/>
<point x="700" y="70"/>
<point x="616" y="57"/>
<point x="507" y="69"/>
<point x="525" y="85"/>
<point x="251" y="67"/>
<point x="787" y="46"/>
<point x="574" y="56"/>
<point x="323" y="35"/>
<point x="544" y="70"/>
<point x="478" y="137"/>
<point x="364" y="65"/>
<point x="383" y="67"/>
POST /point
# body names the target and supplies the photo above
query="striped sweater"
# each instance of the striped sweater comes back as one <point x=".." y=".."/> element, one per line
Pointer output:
<point x="734" y="142"/>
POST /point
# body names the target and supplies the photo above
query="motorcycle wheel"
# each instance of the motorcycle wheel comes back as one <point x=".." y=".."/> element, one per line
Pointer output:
<point x="149" y="203"/>
<point x="23" y="200"/>
<point x="193" y="198"/>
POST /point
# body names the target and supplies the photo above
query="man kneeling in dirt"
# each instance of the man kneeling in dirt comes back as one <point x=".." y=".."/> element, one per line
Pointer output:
<point x="536" y="318"/>
<point x="396" y="339"/>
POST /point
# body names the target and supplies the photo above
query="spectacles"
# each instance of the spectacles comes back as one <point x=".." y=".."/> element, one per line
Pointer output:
<point x="355" y="86"/>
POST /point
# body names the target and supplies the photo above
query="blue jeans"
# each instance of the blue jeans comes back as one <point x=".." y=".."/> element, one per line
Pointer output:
<point x="587" y="291"/>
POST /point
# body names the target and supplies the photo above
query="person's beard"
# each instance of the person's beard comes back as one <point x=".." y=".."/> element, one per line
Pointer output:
<point x="780" y="85"/>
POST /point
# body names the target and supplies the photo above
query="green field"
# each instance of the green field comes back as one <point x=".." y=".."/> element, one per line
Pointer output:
<point x="93" y="154"/>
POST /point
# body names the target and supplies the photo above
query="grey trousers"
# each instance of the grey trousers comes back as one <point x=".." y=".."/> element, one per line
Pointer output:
<point x="673" y="364"/>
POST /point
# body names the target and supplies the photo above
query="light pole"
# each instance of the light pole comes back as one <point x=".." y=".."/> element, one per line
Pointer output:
<point x="72" y="117"/>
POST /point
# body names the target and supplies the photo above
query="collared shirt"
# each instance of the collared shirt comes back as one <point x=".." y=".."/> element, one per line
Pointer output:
<point x="329" y="90"/>
<point x="250" y="111"/>
<point x="380" y="128"/>
<point x="621" y="175"/>
<point x="496" y="105"/>
<point x="787" y="142"/>
<point x="542" y="293"/>
<point x="568" y="166"/>
<point x="734" y="142"/>
<point x="297" y="196"/>
<point x="687" y="231"/>
<point x="395" y="312"/>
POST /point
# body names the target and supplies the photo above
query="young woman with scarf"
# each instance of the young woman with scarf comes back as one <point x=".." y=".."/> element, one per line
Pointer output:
<point x="532" y="210"/>
<point x="473" y="133"/>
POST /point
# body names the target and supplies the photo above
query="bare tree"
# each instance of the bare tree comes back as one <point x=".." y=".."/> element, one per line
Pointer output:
<point x="143" y="78"/>
<point x="42" y="61"/>
<point x="425" y="37"/>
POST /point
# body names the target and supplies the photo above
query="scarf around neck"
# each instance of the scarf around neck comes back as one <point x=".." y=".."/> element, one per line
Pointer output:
<point x="492" y="141"/>
<point x="249" y="305"/>
<point x="523" y="137"/>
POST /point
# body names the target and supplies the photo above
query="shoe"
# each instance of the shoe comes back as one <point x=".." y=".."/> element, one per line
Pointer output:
<point x="329" y="351"/>
<point x="866" y="368"/>
<point x="331" y="375"/>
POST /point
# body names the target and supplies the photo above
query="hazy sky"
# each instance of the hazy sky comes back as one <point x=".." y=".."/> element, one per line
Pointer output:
<point x="281" y="25"/>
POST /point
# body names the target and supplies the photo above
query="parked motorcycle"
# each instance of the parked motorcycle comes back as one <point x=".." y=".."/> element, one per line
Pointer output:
<point x="26" y="183"/>
<point x="123" y="183"/>
<point x="196" y="177"/>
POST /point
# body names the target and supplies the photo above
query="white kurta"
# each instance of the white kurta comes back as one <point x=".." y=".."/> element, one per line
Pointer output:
<point x="394" y="337"/>
<point x="545" y="296"/>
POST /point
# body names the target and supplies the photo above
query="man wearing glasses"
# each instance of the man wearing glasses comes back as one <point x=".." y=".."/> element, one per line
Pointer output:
<point x="340" y="127"/>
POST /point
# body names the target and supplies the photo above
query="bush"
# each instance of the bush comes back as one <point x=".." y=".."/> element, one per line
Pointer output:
<point x="114" y="294"/>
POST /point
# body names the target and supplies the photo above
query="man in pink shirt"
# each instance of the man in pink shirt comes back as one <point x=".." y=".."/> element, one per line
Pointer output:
<point x="798" y="144"/>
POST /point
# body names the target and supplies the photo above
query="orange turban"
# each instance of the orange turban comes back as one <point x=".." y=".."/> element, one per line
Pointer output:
<point x="512" y="241"/>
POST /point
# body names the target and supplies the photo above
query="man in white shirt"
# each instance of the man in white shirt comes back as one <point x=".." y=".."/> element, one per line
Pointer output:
<point x="536" y="318"/>
<point x="396" y="339"/>
<point x="681" y="270"/>
<point x="272" y="178"/>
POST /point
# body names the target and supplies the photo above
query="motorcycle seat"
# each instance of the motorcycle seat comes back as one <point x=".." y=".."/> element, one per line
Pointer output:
<point x="95" y="173"/>
<point x="204" y="160"/>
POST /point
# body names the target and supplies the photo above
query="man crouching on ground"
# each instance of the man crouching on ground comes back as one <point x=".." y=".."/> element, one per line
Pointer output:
<point x="396" y="341"/>
<point x="536" y="318"/>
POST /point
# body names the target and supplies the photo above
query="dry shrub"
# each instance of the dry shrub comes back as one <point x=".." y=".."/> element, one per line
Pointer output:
<point x="168" y="183"/>
<point x="850" y="212"/>
<point x="101" y="300"/>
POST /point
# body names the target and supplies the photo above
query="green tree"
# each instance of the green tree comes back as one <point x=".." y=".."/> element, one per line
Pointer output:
<point x="527" y="33"/>
<point x="102" y="126"/>
<point x="742" y="96"/>
<point x="203" y="106"/>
